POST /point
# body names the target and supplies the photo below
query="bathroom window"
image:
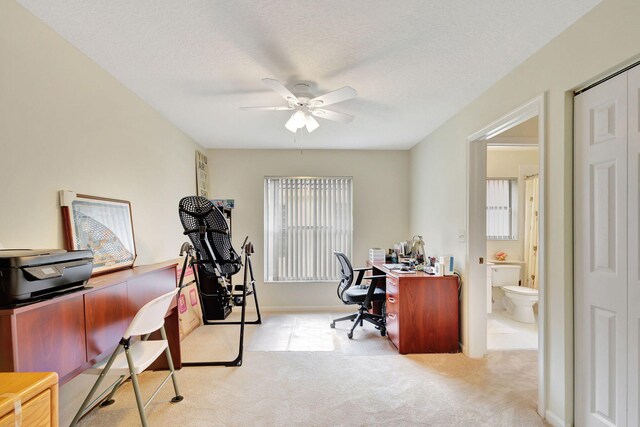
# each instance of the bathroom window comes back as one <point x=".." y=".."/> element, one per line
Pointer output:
<point x="502" y="209"/>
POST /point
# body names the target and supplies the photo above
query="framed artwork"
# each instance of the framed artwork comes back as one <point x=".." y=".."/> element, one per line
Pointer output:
<point x="202" y="175"/>
<point x="105" y="226"/>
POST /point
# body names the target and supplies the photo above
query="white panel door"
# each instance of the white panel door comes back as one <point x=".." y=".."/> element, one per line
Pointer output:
<point x="634" y="245"/>
<point x="600" y="212"/>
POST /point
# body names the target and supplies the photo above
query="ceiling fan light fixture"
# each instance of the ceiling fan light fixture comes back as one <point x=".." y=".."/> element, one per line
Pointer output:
<point x="290" y="125"/>
<point x="311" y="123"/>
<point x="298" y="119"/>
<point x="306" y="107"/>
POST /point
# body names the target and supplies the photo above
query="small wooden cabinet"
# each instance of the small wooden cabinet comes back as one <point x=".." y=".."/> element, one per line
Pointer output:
<point x="36" y="393"/>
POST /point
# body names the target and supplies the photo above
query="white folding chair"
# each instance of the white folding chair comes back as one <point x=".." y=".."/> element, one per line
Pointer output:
<point x="136" y="357"/>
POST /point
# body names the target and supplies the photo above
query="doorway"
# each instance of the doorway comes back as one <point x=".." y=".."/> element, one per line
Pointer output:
<point x="477" y="298"/>
<point x="512" y="238"/>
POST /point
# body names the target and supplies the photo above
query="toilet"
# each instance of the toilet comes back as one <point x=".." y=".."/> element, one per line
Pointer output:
<point x="518" y="300"/>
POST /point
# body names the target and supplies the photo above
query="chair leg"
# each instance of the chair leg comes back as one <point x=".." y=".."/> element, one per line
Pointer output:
<point x="86" y="402"/>
<point x="349" y="317"/>
<point x="355" y="323"/>
<point x="136" y="388"/>
<point x="109" y="400"/>
<point x="374" y="321"/>
<point x="167" y="352"/>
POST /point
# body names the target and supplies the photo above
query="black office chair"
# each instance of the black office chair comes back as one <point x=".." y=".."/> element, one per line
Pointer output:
<point x="357" y="293"/>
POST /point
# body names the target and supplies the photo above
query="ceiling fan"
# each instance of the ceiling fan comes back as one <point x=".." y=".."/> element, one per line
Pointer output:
<point x="306" y="108"/>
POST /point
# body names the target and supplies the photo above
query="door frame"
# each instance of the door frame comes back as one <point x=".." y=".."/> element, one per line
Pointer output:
<point x="476" y="304"/>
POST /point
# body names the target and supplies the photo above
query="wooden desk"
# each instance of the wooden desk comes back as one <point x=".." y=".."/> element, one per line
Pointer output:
<point x="37" y="394"/>
<point x="422" y="311"/>
<point x="71" y="332"/>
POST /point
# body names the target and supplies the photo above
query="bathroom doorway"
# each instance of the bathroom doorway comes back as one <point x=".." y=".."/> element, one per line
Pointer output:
<point x="515" y="138"/>
<point x="512" y="240"/>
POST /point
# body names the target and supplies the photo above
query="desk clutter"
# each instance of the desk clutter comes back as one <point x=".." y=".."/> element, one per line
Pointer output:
<point x="409" y="257"/>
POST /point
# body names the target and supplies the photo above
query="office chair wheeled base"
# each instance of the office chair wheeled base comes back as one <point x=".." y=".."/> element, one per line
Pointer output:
<point x="360" y="317"/>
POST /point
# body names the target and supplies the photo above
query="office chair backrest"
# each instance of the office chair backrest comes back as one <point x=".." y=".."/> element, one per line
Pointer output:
<point x="196" y="212"/>
<point x="150" y="317"/>
<point x="346" y="273"/>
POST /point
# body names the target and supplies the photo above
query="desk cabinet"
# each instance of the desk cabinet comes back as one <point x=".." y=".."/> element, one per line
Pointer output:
<point x="107" y="316"/>
<point x="37" y="393"/>
<point x="51" y="338"/>
<point x="422" y="313"/>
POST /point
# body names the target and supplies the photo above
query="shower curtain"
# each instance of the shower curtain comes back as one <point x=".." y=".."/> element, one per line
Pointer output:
<point x="531" y="231"/>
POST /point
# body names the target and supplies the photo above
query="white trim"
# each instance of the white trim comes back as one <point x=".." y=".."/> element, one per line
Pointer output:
<point x="517" y="116"/>
<point x="475" y="336"/>
<point x="307" y="308"/>
<point x="555" y="420"/>
<point x="476" y="234"/>
<point x="514" y="141"/>
<point x="506" y="147"/>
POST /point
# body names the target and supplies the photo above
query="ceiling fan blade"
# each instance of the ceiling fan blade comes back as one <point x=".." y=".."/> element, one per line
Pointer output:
<point x="332" y="115"/>
<point x="311" y="123"/>
<point x="281" y="90"/>
<point x="267" y="108"/>
<point x="336" y="96"/>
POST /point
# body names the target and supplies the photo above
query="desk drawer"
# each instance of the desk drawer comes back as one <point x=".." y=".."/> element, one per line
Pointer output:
<point x="392" y="319"/>
<point x="35" y="412"/>
<point x="392" y="285"/>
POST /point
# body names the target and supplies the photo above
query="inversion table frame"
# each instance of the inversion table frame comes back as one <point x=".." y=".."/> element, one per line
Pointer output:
<point x="191" y="260"/>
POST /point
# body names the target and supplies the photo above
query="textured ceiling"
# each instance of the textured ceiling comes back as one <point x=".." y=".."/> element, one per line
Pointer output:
<point x="414" y="63"/>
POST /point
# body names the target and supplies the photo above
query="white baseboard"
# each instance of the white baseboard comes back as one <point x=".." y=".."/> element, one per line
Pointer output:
<point x="555" y="420"/>
<point x="307" y="308"/>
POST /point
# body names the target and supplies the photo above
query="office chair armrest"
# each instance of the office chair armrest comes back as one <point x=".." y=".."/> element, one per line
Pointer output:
<point x="362" y="277"/>
<point x="381" y="276"/>
<point x="363" y="269"/>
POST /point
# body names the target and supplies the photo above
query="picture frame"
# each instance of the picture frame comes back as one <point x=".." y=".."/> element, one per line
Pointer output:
<point x="102" y="225"/>
<point x="202" y="175"/>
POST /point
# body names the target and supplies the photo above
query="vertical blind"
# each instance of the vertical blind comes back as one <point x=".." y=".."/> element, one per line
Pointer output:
<point x="306" y="219"/>
<point x="501" y="209"/>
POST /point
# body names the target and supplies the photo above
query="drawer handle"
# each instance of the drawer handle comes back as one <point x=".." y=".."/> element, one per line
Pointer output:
<point x="391" y="315"/>
<point x="392" y="300"/>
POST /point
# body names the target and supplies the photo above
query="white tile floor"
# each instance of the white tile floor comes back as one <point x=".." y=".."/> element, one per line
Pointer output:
<point x="504" y="333"/>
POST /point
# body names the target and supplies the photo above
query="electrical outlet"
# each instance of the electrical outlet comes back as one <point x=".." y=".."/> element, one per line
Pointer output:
<point x="462" y="236"/>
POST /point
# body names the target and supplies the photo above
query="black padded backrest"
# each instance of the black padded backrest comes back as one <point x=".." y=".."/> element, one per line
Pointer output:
<point x="346" y="273"/>
<point x="196" y="211"/>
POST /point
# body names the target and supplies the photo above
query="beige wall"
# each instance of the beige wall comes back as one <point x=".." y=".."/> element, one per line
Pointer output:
<point x="504" y="162"/>
<point x="380" y="206"/>
<point x="602" y="40"/>
<point x="66" y="124"/>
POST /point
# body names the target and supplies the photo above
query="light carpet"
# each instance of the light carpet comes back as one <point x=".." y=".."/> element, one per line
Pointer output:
<point x="333" y="388"/>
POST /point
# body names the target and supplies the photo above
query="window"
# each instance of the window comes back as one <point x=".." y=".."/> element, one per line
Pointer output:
<point x="306" y="219"/>
<point x="502" y="212"/>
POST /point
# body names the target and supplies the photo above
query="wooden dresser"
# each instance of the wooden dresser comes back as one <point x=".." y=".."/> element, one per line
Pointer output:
<point x="37" y="396"/>
<point x="422" y="311"/>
